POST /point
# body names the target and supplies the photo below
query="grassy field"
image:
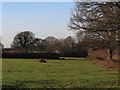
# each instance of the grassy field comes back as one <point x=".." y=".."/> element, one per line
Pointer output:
<point x="29" y="73"/>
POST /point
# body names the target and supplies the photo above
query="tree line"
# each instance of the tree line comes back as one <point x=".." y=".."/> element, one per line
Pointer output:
<point x="26" y="40"/>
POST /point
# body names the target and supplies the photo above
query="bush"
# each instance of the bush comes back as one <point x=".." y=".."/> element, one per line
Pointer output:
<point x="30" y="55"/>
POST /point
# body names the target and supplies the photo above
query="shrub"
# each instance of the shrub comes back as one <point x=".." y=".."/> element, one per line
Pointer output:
<point x="30" y="55"/>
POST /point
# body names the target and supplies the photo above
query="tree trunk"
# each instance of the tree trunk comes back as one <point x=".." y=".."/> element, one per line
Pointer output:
<point x="110" y="53"/>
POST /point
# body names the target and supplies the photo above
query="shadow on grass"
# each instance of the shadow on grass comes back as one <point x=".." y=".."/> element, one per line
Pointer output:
<point x="5" y="87"/>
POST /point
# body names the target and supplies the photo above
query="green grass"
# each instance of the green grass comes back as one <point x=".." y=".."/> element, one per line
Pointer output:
<point x="29" y="73"/>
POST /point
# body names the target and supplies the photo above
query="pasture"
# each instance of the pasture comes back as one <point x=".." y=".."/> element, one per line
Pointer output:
<point x="29" y="73"/>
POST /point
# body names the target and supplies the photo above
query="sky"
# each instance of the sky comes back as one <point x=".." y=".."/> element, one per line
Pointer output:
<point x="42" y="18"/>
<point x="0" y="20"/>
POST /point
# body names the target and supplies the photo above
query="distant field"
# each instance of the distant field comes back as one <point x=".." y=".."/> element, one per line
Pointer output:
<point x="29" y="73"/>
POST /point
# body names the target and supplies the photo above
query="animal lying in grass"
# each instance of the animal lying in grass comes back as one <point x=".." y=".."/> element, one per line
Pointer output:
<point x="42" y="60"/>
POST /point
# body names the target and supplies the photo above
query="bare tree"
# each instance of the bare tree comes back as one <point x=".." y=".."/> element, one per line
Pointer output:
<point x="1" y="46"/>
<point x="38" y="43"/>
<point x="99" y="22"/>
<point x="23" y="39"/>
<point x="102" y="16"/>
<point x="69" y="41"/>
<point x="50" y="39"/>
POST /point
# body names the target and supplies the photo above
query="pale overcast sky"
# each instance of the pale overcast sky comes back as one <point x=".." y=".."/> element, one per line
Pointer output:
<point x="42" y="18"/>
